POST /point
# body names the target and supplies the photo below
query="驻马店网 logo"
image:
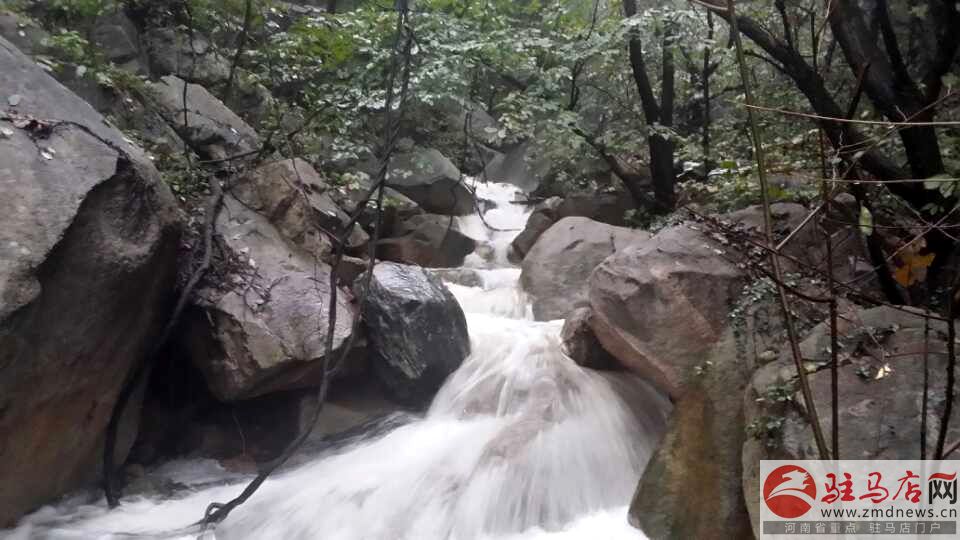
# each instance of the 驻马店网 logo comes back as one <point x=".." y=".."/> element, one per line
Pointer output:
<point x="943" y="486"/>
<point x="789" y="491"/>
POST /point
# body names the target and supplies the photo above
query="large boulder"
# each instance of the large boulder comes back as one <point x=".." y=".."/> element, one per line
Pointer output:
<point x="541" y="218"/>
<point x="251" y="100"/>
<point x="119" y="40"/>
<point x="417" y="331"/>
<point x="535" y="166"/>
<point x="208" y="127"/>
<point x="296" y="200"/>
<point x="263" y="328"/>
<point x="427" y="240"/>
<point x="88" y="253"/>
<point x="149" y="128"/>
<point x="397" y="207"/>
<point x="808" y="249"/>
<point x="661" y="308"/>
<point x="681" y="310"/>
<point x="555" y="271"/>
<point x="432" y="181"/>
<point x="25" y="33"/>
<point x="518" y="167"/>
<point x="881" y="398"/>
<point x="444" y="123"/>
<point x="610" y="208"/>
<point x="192" y="58"/>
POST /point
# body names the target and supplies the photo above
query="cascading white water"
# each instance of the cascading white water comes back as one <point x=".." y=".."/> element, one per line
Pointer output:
<point x="519" y="444"/>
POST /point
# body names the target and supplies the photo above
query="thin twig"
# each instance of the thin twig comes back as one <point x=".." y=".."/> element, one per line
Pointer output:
<point x="783" y="243"/>
<point x="785" y="112"/>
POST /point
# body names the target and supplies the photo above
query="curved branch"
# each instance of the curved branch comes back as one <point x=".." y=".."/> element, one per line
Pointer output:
<point x="845" y="137"/>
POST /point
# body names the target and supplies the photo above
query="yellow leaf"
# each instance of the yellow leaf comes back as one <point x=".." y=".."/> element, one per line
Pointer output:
<point x="913" y="268"/>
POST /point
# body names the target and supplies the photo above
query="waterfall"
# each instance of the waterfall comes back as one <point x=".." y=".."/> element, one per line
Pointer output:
<point x="520" y="443"/>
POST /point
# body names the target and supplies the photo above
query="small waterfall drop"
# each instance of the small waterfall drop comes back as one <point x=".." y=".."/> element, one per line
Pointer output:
<point x="519" y="444"/>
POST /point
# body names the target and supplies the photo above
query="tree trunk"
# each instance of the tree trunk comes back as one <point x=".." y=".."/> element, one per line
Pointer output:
<point x="661" y="168"/>
<point x="705" y="87"/>
<point x="656" y="114"/>
<point x="887" y="83"/>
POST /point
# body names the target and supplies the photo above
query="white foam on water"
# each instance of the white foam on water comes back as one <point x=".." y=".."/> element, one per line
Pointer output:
<point x="498" y="226"/>
<point x="520" y="443"/>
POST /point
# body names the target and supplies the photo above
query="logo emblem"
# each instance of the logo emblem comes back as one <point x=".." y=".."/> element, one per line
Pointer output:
<point x="943" y="486"/>
<point x="789" y="491"/>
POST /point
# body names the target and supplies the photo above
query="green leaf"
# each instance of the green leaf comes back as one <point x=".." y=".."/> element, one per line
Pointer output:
<point x="866" y="221"/>
<point x="935" y="182"/>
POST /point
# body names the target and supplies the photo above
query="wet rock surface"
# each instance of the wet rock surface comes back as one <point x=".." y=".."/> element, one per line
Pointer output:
<point x="432" y="181"/>
<point x="87" y="268"/>
<point x="264" y="328"/>
<point x="555" y="271"/>
<point x="417" y="331"/>
<point x="427" y="240"/>
<point x="202" y="120"/>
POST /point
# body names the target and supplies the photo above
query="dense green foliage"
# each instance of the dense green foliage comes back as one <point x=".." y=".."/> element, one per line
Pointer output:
<point x="559" y="75"/>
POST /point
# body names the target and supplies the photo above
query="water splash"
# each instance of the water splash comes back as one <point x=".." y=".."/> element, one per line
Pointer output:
<point x="519" y="444"/>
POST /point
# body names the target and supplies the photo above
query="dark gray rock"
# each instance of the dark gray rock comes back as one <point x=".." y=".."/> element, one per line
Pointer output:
<point x="881" y="382"/>
<point x="210" y="128"/>
<point x="432" y="181"/>
<point x="609" y="208"/>
<point x="555" y="271"/>
<point x="23" y="32"/>
<point x="170" y="53"/>
<point x="118" y="39"/>
<point x="416" y="330"/>
<point x="542" y="218"/>
<point x="468" y="277"/>
<point x="396" y="206"/>
<point x="441" y="124"/>
<point x="580" y="343"/>
<point x="88" y="253"/>
<point x="427" y="240"/>
<point x="514" y="166"/>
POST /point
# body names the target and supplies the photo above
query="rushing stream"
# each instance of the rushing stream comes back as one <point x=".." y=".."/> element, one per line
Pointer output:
<point x="520" y="443"/>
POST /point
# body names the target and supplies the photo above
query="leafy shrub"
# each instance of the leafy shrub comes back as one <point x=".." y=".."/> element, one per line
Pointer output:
<point x="72" y="11"/>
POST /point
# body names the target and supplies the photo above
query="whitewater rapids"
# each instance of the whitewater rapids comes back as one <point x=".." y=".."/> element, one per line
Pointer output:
<point x="519" y="444"/>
